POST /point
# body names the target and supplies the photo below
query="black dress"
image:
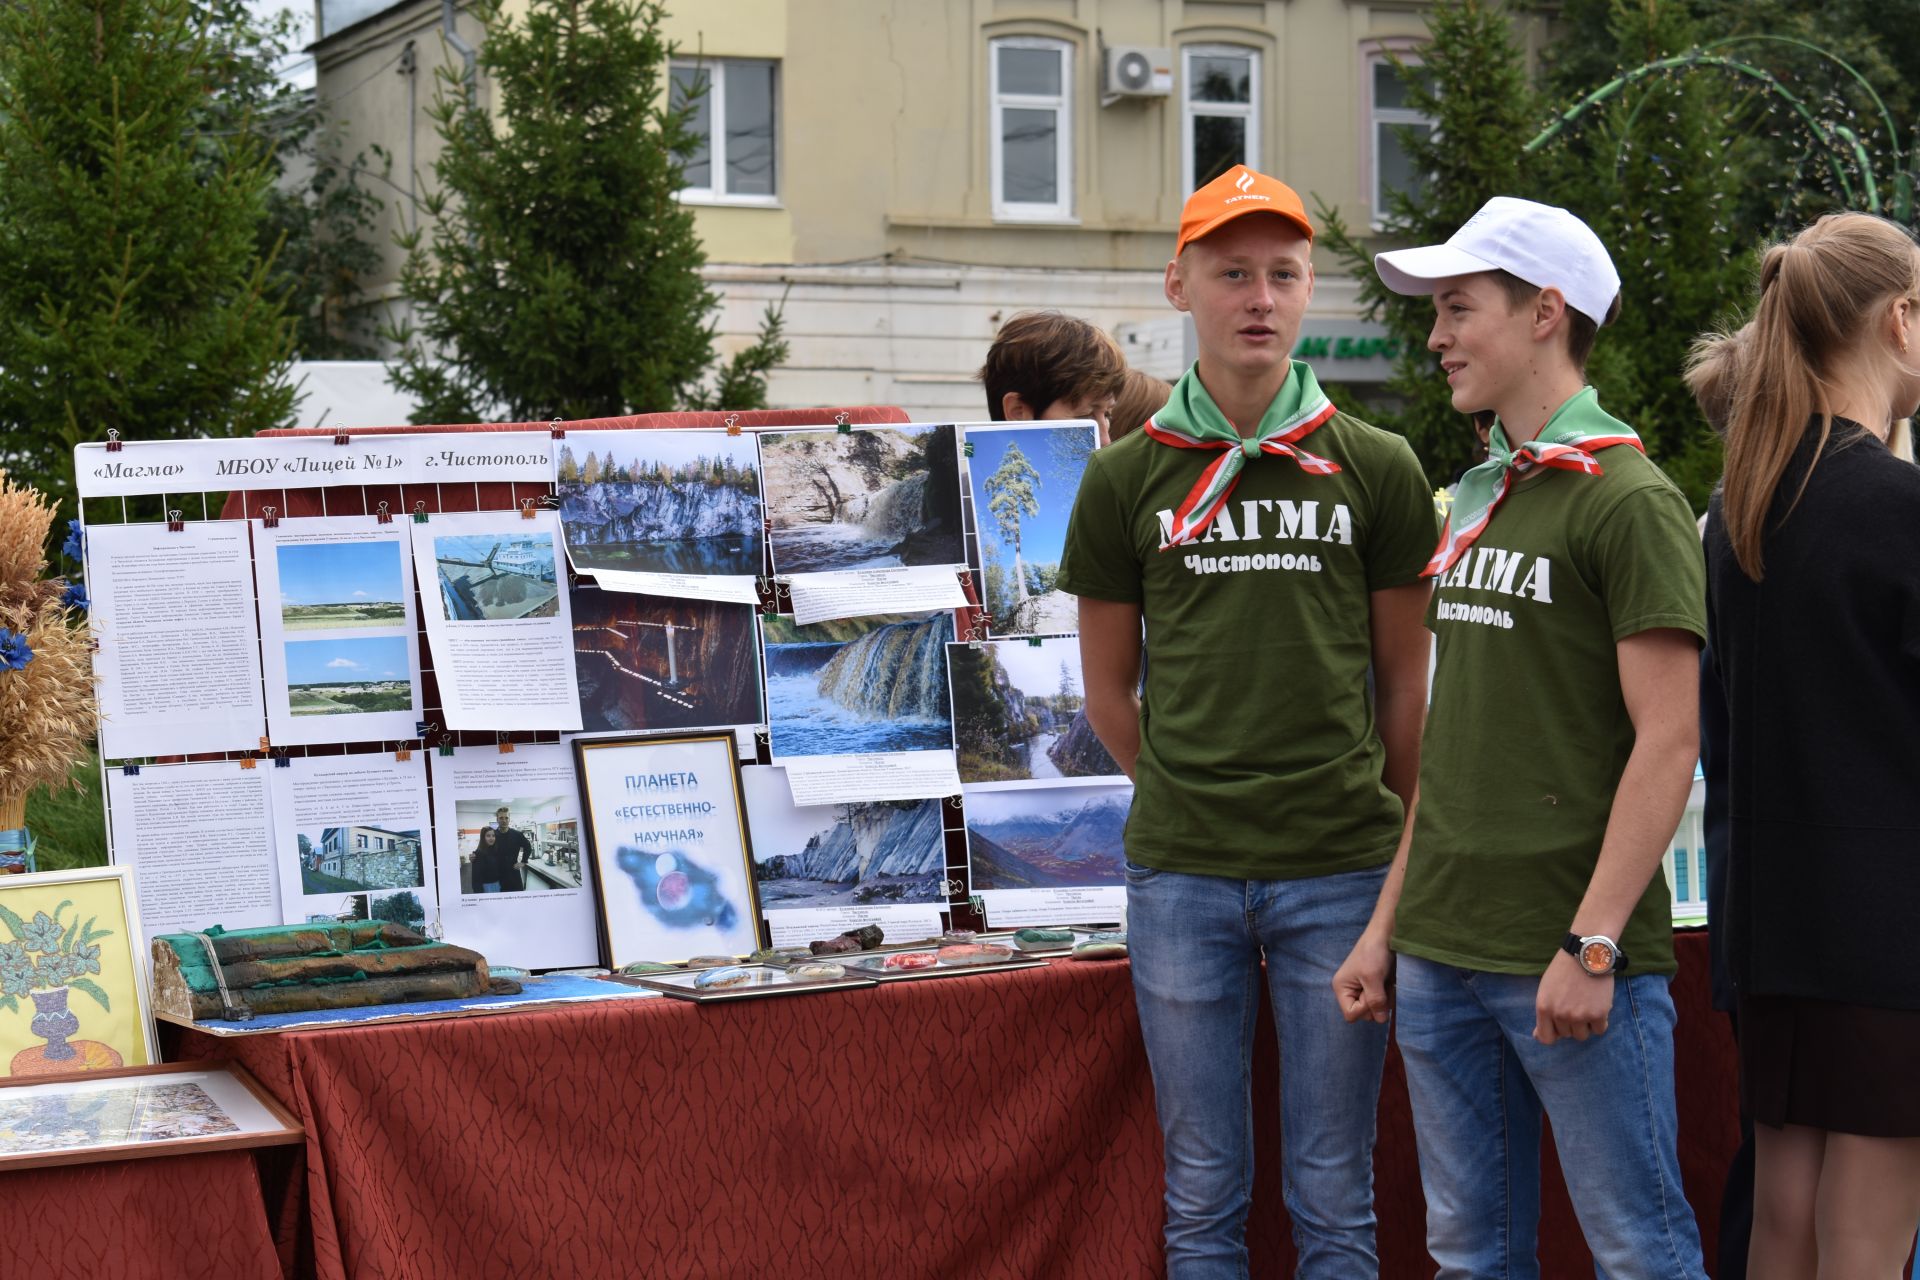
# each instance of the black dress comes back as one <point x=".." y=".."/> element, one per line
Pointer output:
<point x="1820" y="662"/>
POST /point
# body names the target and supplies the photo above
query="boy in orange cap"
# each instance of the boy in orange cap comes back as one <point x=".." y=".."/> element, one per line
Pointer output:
<point x="1272" y="547"/>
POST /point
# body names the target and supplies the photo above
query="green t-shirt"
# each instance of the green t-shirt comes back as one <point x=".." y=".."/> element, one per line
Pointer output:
<point x="1528" y="734"/>
<point x="1258" y="753"/>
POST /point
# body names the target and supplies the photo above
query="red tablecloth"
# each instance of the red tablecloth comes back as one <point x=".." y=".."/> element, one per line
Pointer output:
<point x="990" y="1126"/>
<point x="165" y="1218"/>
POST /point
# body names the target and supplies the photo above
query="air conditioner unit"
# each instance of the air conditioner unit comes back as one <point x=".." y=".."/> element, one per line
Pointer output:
<point x="1137" y="71"/>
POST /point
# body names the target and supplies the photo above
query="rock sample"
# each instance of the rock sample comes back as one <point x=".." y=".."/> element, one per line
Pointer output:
<point x="1043" y="939"/>
<point x="865" y="938"/>
<point x="1107" y="944"/>
<point x="721" y="978"/>
<point x="817" y="971"/>
<point x="302" y="968"/>
<point x="973" y="953"/>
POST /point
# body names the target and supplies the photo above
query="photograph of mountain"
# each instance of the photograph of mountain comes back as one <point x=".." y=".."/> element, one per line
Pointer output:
<point x="858" y="684"/>
<point x="1023" y="479"/>
<point x="648" y="662"/>
<point x="869" y="498"/>
<point x="1019" y="715"/>
<point x="887" y="852"/>
<point x="1067" y="837"/>
<point x="661" y="502"/>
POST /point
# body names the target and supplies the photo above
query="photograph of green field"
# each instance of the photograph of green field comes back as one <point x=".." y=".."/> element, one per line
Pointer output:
<point x="341" y="586"/>
<point x="348" y="677"/>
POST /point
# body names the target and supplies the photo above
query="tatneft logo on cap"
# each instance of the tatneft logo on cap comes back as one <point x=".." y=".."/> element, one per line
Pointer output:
<point x="1245" y="184"/>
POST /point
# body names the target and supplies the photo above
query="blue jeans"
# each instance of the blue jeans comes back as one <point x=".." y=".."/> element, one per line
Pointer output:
<point x="1478" y="1080"/>
<point x="1197" y="944"/>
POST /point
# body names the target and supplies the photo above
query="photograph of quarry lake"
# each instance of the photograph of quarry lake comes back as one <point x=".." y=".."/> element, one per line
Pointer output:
<point x="869" y="498"/>
<point x="341" y="586"/>
<point x="1019" y="714"/>
<point x="648" y="662"/>
<point x="1023" y="479"/>
<point x="1068" y="838"/>
<point x="661" y="502"/>
<point x="889" y="852"/>
<point x="858" y="684"/>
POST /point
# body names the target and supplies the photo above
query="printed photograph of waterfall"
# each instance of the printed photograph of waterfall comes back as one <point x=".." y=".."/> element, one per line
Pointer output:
<point x="1062" y="839"/>
<point x="1019" y="714"/>
<point x="856" y="685"/>
<point x="648" y="662"/>
<point x="661" y="501"/>
<point x="1023" y="478"/>
<point x="869" y="498"/>
<point x="839" y="855"/>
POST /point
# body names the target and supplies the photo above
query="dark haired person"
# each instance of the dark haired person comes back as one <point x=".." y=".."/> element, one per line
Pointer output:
<point x="1533" y="932"/>
<point x="1045" y="366"/>
<point x="1813" y="554"/>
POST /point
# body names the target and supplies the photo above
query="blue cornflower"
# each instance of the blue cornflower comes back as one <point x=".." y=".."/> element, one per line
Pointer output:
<point x="75" y="596"/>
<point x="75" y="547"/>
<point x="15" y="652"/>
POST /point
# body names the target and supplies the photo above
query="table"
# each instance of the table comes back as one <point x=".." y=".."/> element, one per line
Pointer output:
<point x="165" y="1218"/>
<point x="997" y="1125"/>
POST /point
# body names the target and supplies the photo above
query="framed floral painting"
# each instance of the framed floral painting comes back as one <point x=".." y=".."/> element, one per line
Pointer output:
<point x="73" y="981"/>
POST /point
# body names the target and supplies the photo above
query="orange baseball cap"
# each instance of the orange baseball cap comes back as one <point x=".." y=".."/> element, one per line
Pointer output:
<point x="1238" y="191"/>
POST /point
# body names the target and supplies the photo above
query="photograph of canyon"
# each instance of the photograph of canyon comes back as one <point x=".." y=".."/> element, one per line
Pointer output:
<point x="648" y="662"/>
<point x="869" y="498"/>
<point x="1019" y="714"/>
<point x="838" y="855"/>
<point x="1063" y="838"/>
<point x="856" y="685"/>
<point x="661" y="502"/>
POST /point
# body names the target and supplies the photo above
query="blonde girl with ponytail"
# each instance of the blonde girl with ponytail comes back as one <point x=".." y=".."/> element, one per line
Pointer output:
<point x="1813" y="581"/>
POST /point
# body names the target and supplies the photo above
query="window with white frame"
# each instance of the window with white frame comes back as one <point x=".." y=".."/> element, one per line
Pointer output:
<point x="736" y="120"/>
<point x="1031" y="89"/>
<point x="1393" y="168"/>
<point x="1220" y="96"/>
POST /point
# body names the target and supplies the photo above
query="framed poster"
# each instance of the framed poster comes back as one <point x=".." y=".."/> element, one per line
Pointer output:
<point x="666" y="831"/>
<point x="170" y="1110"/>
<point x="73" y="977"/>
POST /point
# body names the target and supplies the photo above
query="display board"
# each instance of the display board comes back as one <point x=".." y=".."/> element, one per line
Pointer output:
<point x="352" y="695"/>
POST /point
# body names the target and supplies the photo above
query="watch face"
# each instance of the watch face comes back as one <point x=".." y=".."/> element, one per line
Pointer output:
<point x="1596" y="957"/>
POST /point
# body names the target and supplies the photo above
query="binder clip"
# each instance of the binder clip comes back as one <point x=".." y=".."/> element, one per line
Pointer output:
<point x="420" y="512"/>
<point x="113" y="440"/>
<point x="506" y="746"/>
<point x="953" y="802"/>
<point x="733" y="424"/>
<point x="130" y="770"/>
<point x="340" y="435"/>
<point x="559" y="432"/>
<point x="842" y="424"/>
<point x="421" y="728"/>
<point x="174" y="522"/>
<point x="247" y="762"/>
<point x="269" y="517"/>
<point x="264" y="745"/>
<point x="966" y="448"/>
<point x="382" y="514"/>
<point x="446" y="750"/>
<point x="403" y="754"/>
<point x="281" y="760"/>
<point x="1033" y="642"/>
<point x="526" y="508"/>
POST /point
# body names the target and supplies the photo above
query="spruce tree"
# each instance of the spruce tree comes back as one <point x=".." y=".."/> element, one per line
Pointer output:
<point x="561" y="276"/>
<point x="133" y="292"/>
<point x="1475" y="88"/>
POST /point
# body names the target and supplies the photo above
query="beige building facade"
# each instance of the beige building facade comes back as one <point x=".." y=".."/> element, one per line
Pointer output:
<point x="905" y="174"/>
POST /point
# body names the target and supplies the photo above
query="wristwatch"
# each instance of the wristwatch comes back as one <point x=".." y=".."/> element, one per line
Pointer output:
<point x="1599" y="955"/>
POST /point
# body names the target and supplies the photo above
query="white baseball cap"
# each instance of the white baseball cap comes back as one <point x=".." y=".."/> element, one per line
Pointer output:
<point x="1545" y="246"/>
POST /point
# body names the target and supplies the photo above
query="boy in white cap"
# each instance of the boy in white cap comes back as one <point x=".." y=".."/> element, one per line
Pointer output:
<point x="1272" y="546"/>
<point x="1533" y="931"/>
